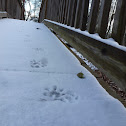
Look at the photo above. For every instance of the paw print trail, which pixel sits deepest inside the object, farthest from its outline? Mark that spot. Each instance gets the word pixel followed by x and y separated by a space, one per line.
pixel 38 64
pixel 58 94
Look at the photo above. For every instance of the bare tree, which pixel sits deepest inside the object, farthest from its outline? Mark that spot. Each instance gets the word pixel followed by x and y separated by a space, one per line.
pixel 34 6
pixel 37 4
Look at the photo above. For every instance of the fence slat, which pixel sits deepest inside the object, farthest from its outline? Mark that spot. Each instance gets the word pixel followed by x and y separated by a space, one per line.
pixel 119 21
pixel 84 15
pixel 14 8
pixel 78 14
pixel 6 5
pixel 73 13
pixel 52 9
pixel 69 12
pixel 92 20
pixel 65 6
pixel 57 3
pixel 103 17
pixel 64 9
pixel 43 10
pixel 48 10
pixel 45 15
pixel 2 7
pixel 60 7
pixel 112 62
pixel 66 13
pixel 61 18
pixel 124 39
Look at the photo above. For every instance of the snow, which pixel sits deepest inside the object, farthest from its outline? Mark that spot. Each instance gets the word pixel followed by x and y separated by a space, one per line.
pixel 109 41
pixel 80 55
pixel 3 12
pixel 39 84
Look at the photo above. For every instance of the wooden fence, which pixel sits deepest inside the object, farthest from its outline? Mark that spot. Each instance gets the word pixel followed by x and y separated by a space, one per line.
pixel 105 17
pixel 14 8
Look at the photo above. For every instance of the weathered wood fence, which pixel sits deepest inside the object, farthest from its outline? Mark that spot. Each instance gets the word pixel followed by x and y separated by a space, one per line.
pixel 14 8
pixel 105 17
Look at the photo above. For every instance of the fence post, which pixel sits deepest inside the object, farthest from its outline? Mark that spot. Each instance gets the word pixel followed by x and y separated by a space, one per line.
pixel 103 17
pixel 84 16
pixel 78 14
pixel 92 20
pixel 119 22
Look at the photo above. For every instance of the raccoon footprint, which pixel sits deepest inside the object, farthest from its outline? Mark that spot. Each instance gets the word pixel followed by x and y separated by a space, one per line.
pixel 58 94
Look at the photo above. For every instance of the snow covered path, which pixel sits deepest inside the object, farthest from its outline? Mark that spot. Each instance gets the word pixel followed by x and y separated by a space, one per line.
pixel 39 84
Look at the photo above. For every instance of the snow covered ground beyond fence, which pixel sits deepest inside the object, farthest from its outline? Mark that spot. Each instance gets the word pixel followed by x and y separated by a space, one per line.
pixel 39 84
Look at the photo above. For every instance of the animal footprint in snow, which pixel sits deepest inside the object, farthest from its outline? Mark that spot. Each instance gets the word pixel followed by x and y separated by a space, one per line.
pixel 38 49
pixel 35 64
pixel 41 63
pixel 27 40
pixel 27 35
pixel 58 94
